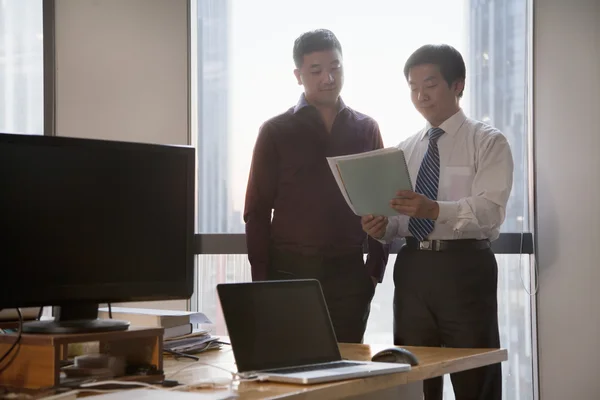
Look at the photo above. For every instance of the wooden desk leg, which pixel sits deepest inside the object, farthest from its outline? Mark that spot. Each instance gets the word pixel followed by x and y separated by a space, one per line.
pixel 32 366
pixel 410 391
pixel 64 351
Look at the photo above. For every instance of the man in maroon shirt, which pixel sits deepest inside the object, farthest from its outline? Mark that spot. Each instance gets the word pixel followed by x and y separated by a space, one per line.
pixel 298 225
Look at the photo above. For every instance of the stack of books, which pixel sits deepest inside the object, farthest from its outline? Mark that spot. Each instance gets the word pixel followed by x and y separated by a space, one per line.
pixel 175 323
pixel 180 338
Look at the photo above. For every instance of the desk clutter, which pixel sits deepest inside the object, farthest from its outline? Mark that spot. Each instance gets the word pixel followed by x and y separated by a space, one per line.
pixel 180 338
pixel 40 361
pixel 190 344
pixel 95 365
pixel 175 323
pixel 146 394
pixel 68 360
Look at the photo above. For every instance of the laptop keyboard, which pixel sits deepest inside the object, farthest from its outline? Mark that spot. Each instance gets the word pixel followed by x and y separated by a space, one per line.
pixel 317 367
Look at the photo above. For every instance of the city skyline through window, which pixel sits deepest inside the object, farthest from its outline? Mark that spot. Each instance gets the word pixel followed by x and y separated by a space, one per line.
pixel 245 76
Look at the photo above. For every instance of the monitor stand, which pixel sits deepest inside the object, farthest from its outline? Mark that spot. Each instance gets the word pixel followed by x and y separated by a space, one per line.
pixel 75 318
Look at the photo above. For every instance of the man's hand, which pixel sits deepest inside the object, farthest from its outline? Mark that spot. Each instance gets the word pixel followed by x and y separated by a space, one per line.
pixel 374 226
pixel 415 205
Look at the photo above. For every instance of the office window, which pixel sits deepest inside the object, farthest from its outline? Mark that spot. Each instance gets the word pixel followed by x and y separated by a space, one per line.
pixel 21 67
pixel 245 76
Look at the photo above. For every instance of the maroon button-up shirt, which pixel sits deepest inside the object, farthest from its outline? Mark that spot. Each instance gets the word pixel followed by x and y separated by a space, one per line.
pixel 293 202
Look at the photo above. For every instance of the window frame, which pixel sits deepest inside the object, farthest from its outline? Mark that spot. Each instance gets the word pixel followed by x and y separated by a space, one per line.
pixel 49 65
pixel 235 243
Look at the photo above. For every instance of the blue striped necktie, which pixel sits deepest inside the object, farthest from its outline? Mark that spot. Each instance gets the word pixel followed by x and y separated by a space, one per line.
pixel 427 183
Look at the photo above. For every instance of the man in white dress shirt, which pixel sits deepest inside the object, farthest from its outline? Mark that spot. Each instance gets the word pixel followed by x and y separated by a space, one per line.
pixel 445 275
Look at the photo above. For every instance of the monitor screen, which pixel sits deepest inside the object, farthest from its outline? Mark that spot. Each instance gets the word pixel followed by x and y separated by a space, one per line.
pixel 94 221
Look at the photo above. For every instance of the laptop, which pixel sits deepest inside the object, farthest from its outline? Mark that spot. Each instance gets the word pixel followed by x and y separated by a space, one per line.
pixel 281 331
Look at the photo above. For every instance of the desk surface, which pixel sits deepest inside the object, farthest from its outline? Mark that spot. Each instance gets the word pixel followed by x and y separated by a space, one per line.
pixel 433 362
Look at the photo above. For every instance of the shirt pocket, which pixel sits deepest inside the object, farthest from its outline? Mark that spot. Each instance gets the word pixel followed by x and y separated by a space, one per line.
pixel 457 182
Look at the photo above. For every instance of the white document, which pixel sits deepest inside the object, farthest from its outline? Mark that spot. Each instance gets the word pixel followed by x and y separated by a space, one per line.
pixel 368 181
pixel 160 394
pixel 336 174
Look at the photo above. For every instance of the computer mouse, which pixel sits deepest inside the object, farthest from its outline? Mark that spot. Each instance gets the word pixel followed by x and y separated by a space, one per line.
pixel 396 355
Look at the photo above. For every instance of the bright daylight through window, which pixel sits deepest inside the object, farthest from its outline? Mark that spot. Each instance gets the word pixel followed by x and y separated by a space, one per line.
pixel 245 76
pixel 21 67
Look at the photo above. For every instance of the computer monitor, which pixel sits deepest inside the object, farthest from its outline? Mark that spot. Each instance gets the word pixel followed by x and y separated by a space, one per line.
pixel 84 222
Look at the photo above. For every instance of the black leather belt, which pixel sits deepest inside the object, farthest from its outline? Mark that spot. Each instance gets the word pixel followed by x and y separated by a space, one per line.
pixel 448 245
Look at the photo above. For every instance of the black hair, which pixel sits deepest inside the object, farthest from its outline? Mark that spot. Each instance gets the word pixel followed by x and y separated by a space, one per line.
pixel 316 40
pixel 450 61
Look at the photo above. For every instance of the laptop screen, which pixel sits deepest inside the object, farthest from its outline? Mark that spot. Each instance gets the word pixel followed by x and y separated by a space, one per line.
pixel 276 324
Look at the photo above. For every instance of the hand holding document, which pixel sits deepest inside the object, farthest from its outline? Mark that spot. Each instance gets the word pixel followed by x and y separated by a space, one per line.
pixel 374 226
pixel 369 181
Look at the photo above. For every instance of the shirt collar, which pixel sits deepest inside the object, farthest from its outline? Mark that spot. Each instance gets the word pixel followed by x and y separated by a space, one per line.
pixel 302 103
pixel 449 126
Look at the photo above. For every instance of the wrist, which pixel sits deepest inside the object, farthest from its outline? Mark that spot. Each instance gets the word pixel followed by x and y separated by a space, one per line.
pixel 434 210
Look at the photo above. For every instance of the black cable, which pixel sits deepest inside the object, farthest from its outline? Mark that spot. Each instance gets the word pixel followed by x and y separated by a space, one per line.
pixel 178 354
pixel 15 343
pixel 109 311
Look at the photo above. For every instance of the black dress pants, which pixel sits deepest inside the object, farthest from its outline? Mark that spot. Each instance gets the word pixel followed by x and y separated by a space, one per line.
pixel 449 298
pixel 347 287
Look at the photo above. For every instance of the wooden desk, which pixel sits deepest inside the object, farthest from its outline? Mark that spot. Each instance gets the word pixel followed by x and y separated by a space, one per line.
pixel 406 385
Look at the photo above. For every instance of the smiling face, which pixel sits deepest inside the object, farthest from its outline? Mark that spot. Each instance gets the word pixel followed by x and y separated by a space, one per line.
pixel 322 76
pixel 432 95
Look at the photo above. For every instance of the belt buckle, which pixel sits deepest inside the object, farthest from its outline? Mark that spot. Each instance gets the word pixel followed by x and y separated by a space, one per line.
pixel 426 245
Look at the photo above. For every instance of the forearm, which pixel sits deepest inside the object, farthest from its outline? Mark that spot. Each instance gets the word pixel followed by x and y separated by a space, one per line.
pixel 391 231
pixel 471 214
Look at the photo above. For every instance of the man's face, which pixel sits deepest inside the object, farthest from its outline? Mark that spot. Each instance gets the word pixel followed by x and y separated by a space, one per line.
pixel 431 95
pixel 322 76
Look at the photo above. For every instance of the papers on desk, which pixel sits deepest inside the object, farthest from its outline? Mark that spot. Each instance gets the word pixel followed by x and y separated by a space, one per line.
pixel 194 343
pixel 161 394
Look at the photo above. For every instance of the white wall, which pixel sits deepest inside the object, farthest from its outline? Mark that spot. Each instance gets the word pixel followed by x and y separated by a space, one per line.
pixel 122 73
pixel 567 153
pixel 122 70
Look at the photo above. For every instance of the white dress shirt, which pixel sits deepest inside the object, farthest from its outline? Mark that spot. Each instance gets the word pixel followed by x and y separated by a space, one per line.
pixel 476 175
